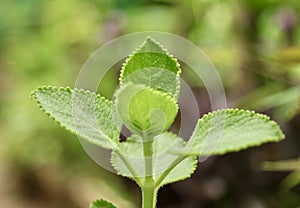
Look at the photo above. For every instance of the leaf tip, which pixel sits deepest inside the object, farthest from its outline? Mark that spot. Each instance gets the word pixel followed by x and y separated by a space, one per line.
pixel 101 204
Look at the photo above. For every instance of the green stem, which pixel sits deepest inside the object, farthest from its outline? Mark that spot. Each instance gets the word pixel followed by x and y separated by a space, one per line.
pixel 148 153
pixel 148 188
pixel 149 196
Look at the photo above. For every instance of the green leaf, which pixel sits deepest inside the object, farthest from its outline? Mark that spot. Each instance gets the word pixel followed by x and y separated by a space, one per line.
pixel 232 130
pixel 285 102
pixel 151 65
pixel 102 204
pixel 163 159
pixel 84 113
pixel 145 110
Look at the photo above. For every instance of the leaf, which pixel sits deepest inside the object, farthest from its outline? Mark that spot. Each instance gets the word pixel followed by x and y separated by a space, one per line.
pixel 102 204
pixel 289 55
pixel 151 65
pixel 162 159
pixel 145 110
pixel 253 99
pixel 232 130
pixel 285 102
pixel 81 112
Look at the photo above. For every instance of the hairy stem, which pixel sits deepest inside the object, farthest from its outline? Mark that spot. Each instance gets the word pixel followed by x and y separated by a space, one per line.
pixel 148 189
pixel 149 196
pixel 148 152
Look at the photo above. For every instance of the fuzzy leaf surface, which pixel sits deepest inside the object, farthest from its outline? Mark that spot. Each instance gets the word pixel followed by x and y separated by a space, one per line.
pixel 84 113
pixel 145 110
pixel 151 65
pixel 162 158
pixel 232 130
pixel 102 204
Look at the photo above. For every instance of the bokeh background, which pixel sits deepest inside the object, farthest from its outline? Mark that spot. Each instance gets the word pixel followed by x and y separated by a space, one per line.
pixel 253 44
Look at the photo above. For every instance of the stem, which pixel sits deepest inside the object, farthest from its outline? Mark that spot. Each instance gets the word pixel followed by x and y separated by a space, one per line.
pixel 148 189
pixel 148 152
pixel 149 196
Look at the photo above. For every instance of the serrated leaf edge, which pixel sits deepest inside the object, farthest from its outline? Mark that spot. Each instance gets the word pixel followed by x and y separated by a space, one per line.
pixel 137 51
pixel 101 201
pixel 195 162
pixel 118 172
pixel 165 95
pixel 171 134
pixel 68 89
pixel 181 140
pixel 237 111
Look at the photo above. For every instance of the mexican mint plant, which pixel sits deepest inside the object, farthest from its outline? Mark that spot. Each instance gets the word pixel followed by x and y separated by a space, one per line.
pixel 146 103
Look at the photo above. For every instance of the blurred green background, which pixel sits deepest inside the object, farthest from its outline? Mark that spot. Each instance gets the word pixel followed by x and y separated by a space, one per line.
pixel 253 44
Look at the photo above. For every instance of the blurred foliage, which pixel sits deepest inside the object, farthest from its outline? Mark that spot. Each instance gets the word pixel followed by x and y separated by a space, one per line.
pixel 290 181
pixel 293 165
pixel 255 46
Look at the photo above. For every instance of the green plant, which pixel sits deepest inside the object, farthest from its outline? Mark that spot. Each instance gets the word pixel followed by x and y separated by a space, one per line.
pixel 146 103
pixel 291 165
pixel 286 195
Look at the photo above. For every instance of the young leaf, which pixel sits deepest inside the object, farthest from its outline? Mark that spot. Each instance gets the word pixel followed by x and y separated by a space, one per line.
pixel 84 113
pixel 151 65
pixel 102 204
pixel 163 161
pixel 145 110
pixel 231 130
